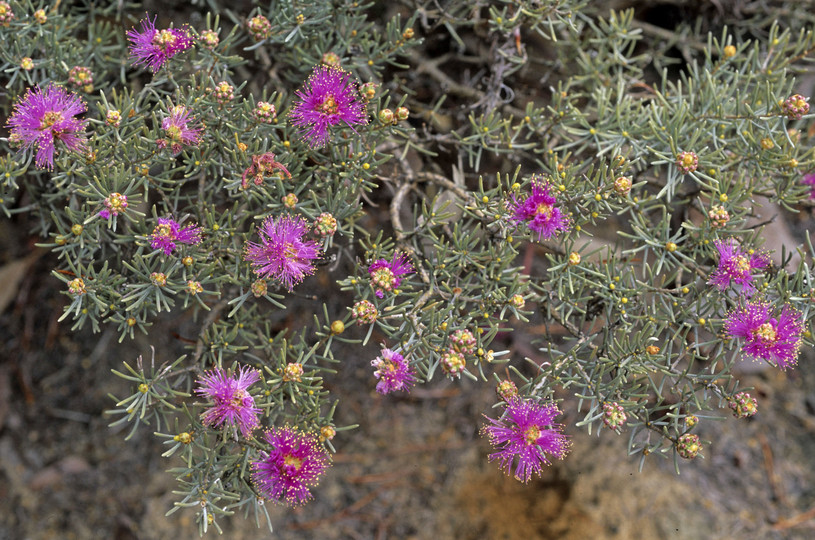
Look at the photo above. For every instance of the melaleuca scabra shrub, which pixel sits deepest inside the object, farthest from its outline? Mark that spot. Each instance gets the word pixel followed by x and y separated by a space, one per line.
pixel 225 166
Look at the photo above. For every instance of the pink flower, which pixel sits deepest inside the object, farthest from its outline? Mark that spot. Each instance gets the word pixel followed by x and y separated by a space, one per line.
pixel 387 276
pixel 294 463
pixel 168 232
pixel 231 402
pixel 282 253
pixel 809 180
pixel 41 118
pixel 527 432
pixel 328 98
pixel 736 266
pixel 393 371
pixel 540 213
pixel 774 339
pixel 153 47
pixel 180 130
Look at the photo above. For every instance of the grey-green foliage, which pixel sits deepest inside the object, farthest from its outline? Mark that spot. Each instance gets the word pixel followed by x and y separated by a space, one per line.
pixel 445 184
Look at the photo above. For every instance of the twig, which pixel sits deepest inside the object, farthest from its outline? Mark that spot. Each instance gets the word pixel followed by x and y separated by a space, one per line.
pixel 795 520
pixel 431 67
pixel 211 317
pixel 769 465
pixel 396 204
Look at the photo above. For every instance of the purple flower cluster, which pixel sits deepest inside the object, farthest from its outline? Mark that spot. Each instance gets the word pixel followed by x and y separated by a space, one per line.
pixel 809 180
pixel 294 463
pixel 232 404
pixel 526 431
pixel 774 339
pixel 180 129
pixel 387 275
pixel 736 266
pixel 282 253
pixel 153 47
pixel 328 98
pixel 43 117
pixel 539 212
pixel 168 232
pixel 393 371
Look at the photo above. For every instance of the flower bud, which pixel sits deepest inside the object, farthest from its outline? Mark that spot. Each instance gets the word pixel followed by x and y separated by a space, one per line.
pixel 453 362
pixel 622 185
pixel 77 287
pixel 614 416
pixel 743 405
pixel 463 341
pixel 194 287
pixel 687 162
pixel 330 59
pixel 260 27
pixel 325 224
pixel 386 116
pixel 337 327
pixel 293 372
pixel 368 90
pixel 364 312
pixel 795 106
pixel 688 446
pixel 259 288
pixel 210 39
pixel 264 112
pixel 289 200
pixel 506 389
pixel 224 92
pixel 113 118
pixel 81 77
pixel 6 14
